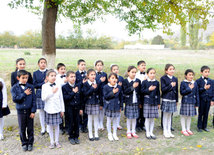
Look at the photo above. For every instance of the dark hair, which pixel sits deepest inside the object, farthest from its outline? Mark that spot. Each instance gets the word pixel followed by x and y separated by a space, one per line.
pixel 114 65
pixel 17 61
pixel 80 60
pixel 98 61
pixel 112 74
pixel 41 60
pixel 69 73
pixel 1 86
pixel 168 65
pixel 130 68
pixel 141 62
pixel 148 70
pixel 89 71
pixel 21 73
pixel 203 68
pixel 50 71
pixel 59 65
pixel 189 71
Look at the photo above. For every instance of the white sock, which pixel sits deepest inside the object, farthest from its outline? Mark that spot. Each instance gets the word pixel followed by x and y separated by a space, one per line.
pixel 133 125
pixel 169 116
pixel 128 122
pixel 108 125
pixel 96 122
pixel 101 117
pixel 42 119
pixel 90 119
pixel 183 119
pixel 165 122
pixel 1 126
pixel 56 127
pixel 50 127
pixel 114 126
pixel 188 122
pixel 118 120
pixel 147 122
pixel 152 124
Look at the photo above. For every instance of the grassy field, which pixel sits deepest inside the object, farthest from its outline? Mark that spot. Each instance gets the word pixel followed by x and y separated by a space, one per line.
pixel 196 144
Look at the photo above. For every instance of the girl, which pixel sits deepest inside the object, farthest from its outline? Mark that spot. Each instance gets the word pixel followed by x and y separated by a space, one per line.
pixel 115 69
pixel 102 77
pixel 54 106
pixel 131 91
pixel 91 92
pixel 39 78
pixel 151 93
pixel 113 102
pixel 20 65
pixel 189 102
pixel 169 88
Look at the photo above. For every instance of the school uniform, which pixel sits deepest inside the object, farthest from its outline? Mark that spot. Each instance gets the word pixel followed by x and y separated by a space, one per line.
pixel 14 78
pixel 206 96
pixel 25 105
pixel 131 98
pixel 4 110
pixel 190 98
pixel 60 79
pixel 151 98
pixel 73 106
pixel 102 84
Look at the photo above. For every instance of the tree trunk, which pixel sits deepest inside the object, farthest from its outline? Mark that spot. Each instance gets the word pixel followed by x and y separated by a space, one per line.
pixel 48 32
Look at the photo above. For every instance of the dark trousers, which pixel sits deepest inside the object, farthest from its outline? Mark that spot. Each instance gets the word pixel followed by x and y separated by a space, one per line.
pixel 66 118
pixel 26 123
pixel 73 123
pixel 203 112
pixel 140 119
pixel 162 119
pixel 83 120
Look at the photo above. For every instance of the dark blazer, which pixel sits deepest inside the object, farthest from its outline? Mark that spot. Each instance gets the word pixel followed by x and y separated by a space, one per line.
pixel 14 78
pixel 112 101
pixel 38 81
pixel 169 92
pixel 205 95
pixel 128 90
pixel 120 79
pixel 23 101
pixel 102 84
pixel 150 97
pixel 189 96
pixel 80 77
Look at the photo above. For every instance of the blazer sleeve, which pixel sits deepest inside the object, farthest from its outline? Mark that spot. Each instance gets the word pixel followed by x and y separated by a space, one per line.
pixel 158 93
pixel 197 96
pixel 13 80
pixel 17 97
pixel 33 109
pixel 67 96
pixel 36 84
pixel 107 94
pixel 87 91
pixel 30 79
pixel 126 88
pixel 46 94
pixel 4 93
pixel 201 89
pixel 185 90
pixel 61 100
pixel 144 90
pixel 176 89
pixel 164 87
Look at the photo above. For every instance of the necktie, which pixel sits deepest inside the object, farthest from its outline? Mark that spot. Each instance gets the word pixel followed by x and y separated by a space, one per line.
pixel 142 73
pixel 62 76
pixel 99 73
pixel 22 84
pixel 53 84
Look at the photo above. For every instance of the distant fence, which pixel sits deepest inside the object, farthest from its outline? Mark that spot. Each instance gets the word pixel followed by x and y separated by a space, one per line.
pixel 146 47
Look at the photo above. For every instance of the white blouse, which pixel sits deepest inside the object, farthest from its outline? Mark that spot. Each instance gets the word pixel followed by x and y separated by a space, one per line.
pixel 4 93
pixel 60 80
pixel 141 77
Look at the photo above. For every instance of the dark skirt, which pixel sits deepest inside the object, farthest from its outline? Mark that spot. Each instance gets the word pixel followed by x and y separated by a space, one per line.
pixel 188 110
pixel 150 111
pixel 92 109
pixel 53 119
pixel 40 104
pixel 110 113
pixel 168 106
pixel 132 111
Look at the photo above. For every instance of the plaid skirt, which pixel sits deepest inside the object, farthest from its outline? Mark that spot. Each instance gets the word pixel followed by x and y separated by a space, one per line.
pixel 92 109
pixel 39 103
pixel 132 111
pixel 150 111
pixel 188 110
pixel 53 119
pixel 168 106
pixel 110 113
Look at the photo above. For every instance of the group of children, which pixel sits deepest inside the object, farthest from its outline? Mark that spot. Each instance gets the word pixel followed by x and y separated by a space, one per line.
pixel 69 102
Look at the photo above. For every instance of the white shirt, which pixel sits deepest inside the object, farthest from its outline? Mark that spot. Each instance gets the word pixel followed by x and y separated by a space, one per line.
pixel 60 80
pixel 54 102
pixel 170 76
pixel 134 92
pixel 192 82
pixel 4 93
pixel 151 80
pixel 205 80
pixel 115 86
pixel 90 83
pixel 141 77
pixel 42 70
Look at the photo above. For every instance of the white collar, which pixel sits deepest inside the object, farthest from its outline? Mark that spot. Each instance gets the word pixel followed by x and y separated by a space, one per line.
pixel 189 81
pixel 129 79
pixel 203 77
pixel 72 85
pixel 148 79
pixel 42 70
pixel 90 83
pixel 115 86
pixel 169 76
pixel 100 71
pixel 81 71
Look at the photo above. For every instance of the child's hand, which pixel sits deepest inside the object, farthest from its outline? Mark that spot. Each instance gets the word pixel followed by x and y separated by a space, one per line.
pixel 103 79
pixel 28 91
pixel 84 80
pixel 120 83
pixel 81 112
pixel 101 108
pixel 151 88
pixel 135 84
pixel 75 89
pixel 94 86
pixel 159 106
pixel 32 115
pixel 191 86
pixel 115 90
pixel 140 106
pixel 206 86
pixel 55 89
pixel 173 84
pixel 62 114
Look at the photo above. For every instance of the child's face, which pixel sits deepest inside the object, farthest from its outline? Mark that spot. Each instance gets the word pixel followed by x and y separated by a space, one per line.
pixel 82 66
pixel 42 64
pixel 132 73
pixel 71 78
pixel 21 65
pixel 99 67
pixel 115 70
pixel 51 77
pixel 23 79
pixel 205 73
pixel 151 74
pixel 62 70
pixel 142 67
pixel 189 76
pixel 112 80
pixel 92 76
pixel 170 71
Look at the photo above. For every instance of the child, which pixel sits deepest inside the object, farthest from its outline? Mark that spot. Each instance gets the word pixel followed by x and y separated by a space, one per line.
pixel 113 102
pixel 54 106
pixel 189 102
pixel 206 94
pixel 91 92
pixel 131 91
pixel 24 97
pixel 115 69
pixel 141 75
pixel 38 80
pixel 71 97
pixel 102 77
pixel 80 79
pixel 169 88
pixel 150 91
pixel 20 65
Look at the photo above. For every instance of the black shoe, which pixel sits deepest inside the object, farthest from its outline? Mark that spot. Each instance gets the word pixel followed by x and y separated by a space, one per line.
pixel 199 130
pixel 76 140
pixel 143 128
pixel 85 130
pixel 91 139
pixel 148 137
pixel 138 129
pixel 205 129
pixel 72 141
pixel 96 138
pixel 153 137
pixel 82 130
pixel 172 129
pixel 24 148
pixel 30 147
pixel 62 131
pixel 43 133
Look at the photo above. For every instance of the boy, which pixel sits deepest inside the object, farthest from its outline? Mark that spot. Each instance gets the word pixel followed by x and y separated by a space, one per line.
pixel 71 97
pixel 24 97
pixel 80 79
pixel 141 75
pixel 206 95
